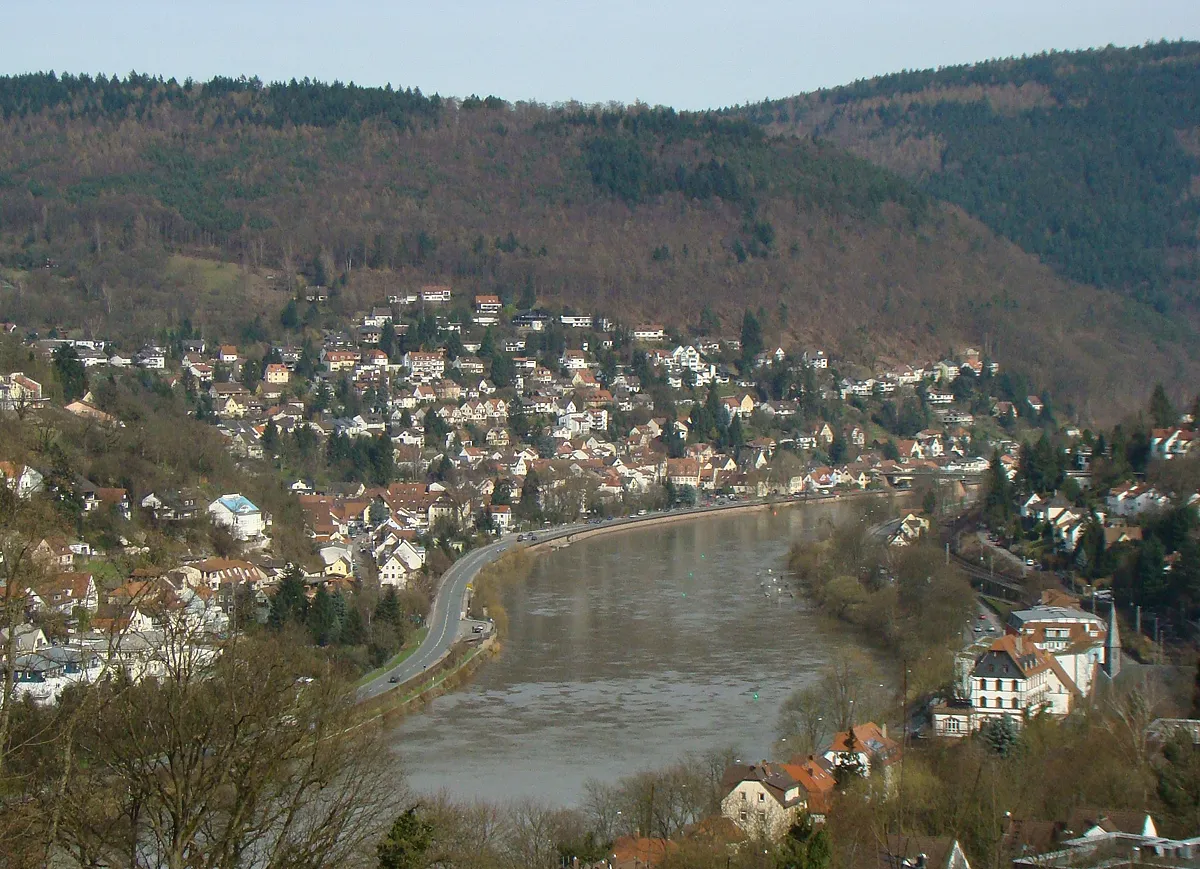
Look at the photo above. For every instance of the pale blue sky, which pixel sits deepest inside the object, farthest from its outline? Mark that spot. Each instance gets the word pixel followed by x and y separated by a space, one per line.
pixel 692 55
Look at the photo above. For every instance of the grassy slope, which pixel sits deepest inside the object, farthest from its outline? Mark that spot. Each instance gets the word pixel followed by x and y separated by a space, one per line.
pixel 849 267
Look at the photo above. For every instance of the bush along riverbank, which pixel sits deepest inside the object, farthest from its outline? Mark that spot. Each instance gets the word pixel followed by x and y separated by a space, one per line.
pixel 487 587
pixel 905 599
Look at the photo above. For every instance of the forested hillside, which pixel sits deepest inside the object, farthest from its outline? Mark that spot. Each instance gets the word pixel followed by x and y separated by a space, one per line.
pixel 1089 159
pixel 121 199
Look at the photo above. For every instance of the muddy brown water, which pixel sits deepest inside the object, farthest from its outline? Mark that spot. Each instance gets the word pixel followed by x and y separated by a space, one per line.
pixel 627 651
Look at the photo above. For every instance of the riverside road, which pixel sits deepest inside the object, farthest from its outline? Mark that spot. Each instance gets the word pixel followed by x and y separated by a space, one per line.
pixel 445 617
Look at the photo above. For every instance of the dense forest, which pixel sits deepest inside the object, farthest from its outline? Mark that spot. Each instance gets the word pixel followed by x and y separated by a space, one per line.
pixel 129 206
pixel 1089 159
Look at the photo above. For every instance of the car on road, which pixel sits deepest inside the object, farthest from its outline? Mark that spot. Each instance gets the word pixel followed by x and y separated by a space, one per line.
pixel 982 616
pixel 393 679
pixel 978 629
pixel 1029 562
pixel 520 537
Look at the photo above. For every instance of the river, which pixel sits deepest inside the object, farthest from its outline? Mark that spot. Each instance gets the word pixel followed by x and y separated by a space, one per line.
pixel 625 652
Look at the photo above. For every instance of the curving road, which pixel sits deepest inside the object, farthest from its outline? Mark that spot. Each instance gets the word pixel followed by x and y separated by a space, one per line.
pixel 445 615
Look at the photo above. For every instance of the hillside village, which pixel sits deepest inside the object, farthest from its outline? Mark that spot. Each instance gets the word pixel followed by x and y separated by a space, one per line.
pixel 426 422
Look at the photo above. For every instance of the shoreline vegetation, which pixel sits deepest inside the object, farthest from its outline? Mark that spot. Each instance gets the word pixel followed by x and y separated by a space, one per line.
pixel 906 601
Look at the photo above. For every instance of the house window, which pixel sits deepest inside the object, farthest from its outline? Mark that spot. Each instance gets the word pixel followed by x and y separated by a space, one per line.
pixel 1016 685
pixel 743 815
pixel 762 798
pixel 1014 703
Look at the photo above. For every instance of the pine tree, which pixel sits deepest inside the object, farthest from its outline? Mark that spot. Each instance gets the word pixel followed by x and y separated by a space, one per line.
pixel 270 436
pixel 290 604
pixel 322 618
pixel 354 629
pixel 388 609
pixel 289 318
pixel 71 374
pixel 752 339
pixel 1162 411
pixel 1001 735
pixel 804 847
pixel 997 498
pixel 406 843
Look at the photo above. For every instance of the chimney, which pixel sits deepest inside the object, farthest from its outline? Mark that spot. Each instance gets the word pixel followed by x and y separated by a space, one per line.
pixel 883 729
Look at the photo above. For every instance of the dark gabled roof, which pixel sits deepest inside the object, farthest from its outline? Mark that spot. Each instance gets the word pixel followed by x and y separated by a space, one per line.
pixel 771 776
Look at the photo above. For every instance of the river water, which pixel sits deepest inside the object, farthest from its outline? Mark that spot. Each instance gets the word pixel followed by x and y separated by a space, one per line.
pixel 625 652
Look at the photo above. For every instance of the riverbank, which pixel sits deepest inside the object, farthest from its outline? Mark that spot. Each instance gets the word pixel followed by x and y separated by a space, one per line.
pixel 463 582
pixel 623 651
pixel 453 671
pixel 911 602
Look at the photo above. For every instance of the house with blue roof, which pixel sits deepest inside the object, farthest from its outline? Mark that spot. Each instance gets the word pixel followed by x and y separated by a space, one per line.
pixel 237 513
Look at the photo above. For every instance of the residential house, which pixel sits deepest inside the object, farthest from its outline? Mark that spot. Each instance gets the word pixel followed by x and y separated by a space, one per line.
pixel 66 593
pixel 488 304
pixel 18 392
pixel 502 518
pixel 683 472
pixel 1077 640
pixel 237 513
pixel 649 332
pixel 1134 499
pixel 425 366
pixel 1011 677
pixel 339 360
pixel 435 295
pixel 866 748
pixel 276 374
pixel 21 479
pixel 404 559
pixel 88 411
pixel 1172 443
pixel 910 529
pixel 763 799
pixel 218 572
pixel 909 852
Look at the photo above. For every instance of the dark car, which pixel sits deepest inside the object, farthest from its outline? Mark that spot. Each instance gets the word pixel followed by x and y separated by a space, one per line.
pixel 394 679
